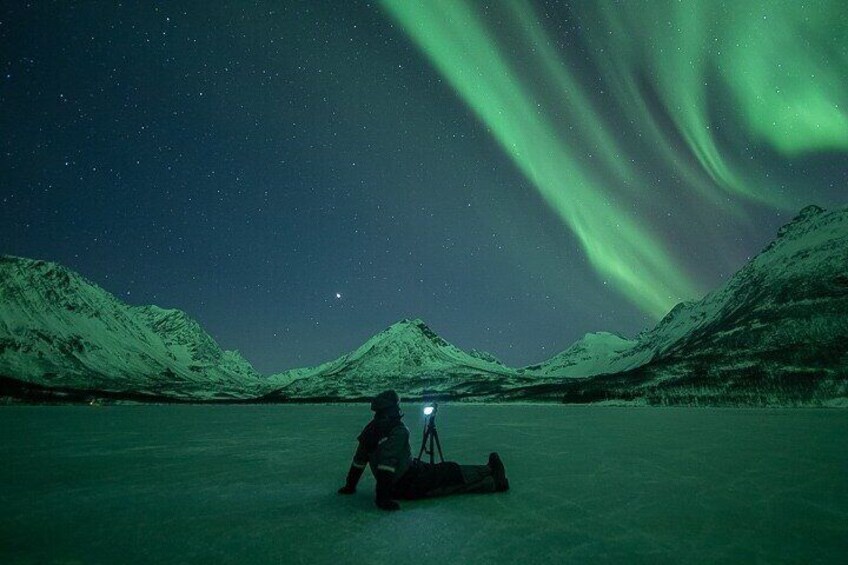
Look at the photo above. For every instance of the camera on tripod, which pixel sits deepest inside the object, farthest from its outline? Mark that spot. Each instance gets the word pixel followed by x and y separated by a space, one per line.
pixel 431 436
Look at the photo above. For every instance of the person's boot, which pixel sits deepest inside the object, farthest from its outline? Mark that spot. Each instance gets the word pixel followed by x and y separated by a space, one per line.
pixel 498 472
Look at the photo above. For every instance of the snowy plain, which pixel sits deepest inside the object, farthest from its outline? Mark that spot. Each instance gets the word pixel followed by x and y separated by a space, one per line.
pixel 257 484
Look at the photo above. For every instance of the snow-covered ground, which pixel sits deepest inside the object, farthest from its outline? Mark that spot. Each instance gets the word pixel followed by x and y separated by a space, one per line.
pixel 254 484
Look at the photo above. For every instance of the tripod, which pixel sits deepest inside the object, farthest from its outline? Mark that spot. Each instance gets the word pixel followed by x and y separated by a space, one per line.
pixel 432 435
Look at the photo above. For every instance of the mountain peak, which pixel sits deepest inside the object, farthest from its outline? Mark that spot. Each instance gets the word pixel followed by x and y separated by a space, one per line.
pixel 804 217
pixel 409 322
pixel 39 265
pixel 35 268
pixel 413 329
pixel 809 211
pixel 596 337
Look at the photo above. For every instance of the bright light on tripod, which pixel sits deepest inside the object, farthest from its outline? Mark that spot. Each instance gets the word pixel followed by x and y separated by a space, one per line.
pixel 428 410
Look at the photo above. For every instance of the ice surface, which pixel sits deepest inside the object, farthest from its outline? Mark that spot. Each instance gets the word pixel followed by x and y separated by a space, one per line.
pixel 254 484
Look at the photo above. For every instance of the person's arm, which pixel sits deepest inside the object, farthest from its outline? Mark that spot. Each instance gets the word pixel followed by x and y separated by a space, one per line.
pixel 388 457
pixel 360 460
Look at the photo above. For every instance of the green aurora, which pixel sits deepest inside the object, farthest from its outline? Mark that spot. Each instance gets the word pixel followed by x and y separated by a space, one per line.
pixel 776 68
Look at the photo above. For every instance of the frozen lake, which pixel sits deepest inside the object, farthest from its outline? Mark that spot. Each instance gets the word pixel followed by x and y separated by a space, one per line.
pixel 252 484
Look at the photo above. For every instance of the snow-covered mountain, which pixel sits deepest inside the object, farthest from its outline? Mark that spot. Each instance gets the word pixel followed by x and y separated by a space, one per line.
pixel 62 332
pixel 409 357
pixel 594 354
pixel 776 332
pixel 63 335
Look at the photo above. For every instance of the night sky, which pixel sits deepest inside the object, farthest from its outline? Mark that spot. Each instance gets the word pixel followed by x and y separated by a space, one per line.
pixel 299 175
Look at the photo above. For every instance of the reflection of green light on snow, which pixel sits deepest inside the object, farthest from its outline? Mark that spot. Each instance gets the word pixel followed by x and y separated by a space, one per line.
pixel 680 46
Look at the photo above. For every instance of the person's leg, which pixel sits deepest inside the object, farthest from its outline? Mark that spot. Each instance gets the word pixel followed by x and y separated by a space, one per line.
pixel 475 479
pixel 478 478
pixel 449 478
pixel 424 480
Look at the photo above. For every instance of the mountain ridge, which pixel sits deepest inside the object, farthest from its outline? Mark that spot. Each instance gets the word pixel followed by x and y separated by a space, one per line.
pixel 60 331
pixel 775 332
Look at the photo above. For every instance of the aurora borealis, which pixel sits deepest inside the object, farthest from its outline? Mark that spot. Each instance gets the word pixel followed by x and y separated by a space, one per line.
pixel 516 173
pixel 678 57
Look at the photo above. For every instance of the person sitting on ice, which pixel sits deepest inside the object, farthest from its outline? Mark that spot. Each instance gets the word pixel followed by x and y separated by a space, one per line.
pixel 384 445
